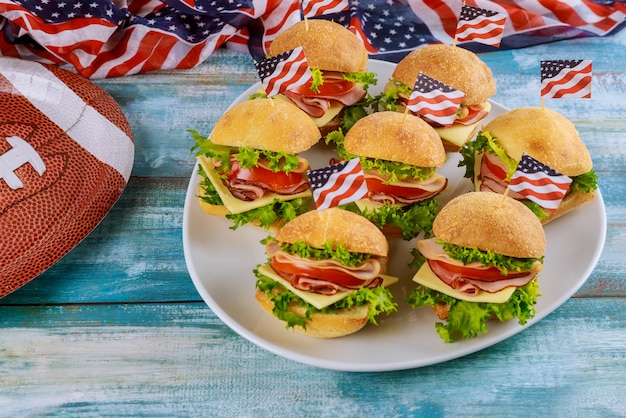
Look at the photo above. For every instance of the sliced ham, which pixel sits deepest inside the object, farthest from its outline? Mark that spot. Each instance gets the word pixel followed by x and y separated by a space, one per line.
pixel 491 181
pixel 436 255
pixel 433 185
pixel 329 288
pixel 366 275
pixel 317 104
pixel 473 286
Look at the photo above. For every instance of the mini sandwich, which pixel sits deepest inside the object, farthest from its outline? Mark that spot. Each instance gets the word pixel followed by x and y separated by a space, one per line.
pixel 325 274
pixel 458 68
pixel 481 264
pixel 400 154
pixel 338 61
pixel 250 166
pixel 544 135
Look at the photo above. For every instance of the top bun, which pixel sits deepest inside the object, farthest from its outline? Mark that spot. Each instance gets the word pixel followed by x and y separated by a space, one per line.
pixel 491 222
pixel 543 134
pixel 394 136
pixel 338 226
pixel 452 65
pixel 266 124
pixel 327 45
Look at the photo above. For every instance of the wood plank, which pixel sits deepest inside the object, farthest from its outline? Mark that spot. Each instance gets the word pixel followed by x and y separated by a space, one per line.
pixel 179 359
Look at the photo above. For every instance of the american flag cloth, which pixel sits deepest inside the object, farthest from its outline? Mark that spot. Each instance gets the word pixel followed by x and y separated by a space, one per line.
pixel 434 100
pixel 110 38
pixel 338 184
pixel 566 78
pixel 313 8
pixel 480 25
pixel 539 183
pixel 284 71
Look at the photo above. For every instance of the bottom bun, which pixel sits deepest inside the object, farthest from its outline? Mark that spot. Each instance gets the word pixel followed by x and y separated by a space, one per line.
pixel 573 200
pixel 322 325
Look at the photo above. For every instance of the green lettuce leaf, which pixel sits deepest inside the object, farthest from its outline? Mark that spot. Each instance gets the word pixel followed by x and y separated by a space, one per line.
pixel 379 298
pixel 247 157
pixel 330 251
pixel 586 182
pixel 276 211
pixel 469 319
pixel 412 219
pixel 488 258
pixel 483 143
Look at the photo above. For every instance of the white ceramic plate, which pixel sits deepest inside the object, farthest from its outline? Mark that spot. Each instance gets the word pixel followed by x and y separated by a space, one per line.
pixel 220 262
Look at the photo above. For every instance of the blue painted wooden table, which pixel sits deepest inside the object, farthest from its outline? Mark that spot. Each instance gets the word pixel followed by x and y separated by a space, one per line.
pixel 117 327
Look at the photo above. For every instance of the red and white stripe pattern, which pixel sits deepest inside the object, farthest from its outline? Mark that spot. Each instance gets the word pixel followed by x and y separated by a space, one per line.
pixel 284 71
pixel 566 78
pixel 313 8
pixel 480 25
pixel 539 183
pixel 338 184
pixel 434 100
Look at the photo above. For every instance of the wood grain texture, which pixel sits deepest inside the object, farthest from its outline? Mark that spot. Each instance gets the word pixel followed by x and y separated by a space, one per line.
pixel 117 328
pixel 173 359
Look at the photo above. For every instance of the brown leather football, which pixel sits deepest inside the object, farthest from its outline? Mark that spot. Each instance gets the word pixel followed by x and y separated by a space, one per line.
pixel 66 153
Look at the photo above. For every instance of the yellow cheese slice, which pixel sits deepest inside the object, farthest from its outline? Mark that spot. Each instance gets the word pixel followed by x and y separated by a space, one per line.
pixel 235 205
pixel 459 134
pixel 315 299
pixel 426 277
pixel 363 204
pixel 478 162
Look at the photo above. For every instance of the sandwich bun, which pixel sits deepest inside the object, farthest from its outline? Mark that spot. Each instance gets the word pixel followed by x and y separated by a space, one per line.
pixel 266 124
pixel 341 227
pixel 545 135
pixel 491 222
pixel 550 138
pixel 322 325
pixel 338 226
pixel 452 65
pixel 327 45
pixel 396 137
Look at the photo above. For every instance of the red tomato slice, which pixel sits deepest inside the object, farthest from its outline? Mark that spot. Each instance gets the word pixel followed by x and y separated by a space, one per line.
pixel 376 185
pixel 334 276
pixel 274 180
pixel 490 274
pixel 330 87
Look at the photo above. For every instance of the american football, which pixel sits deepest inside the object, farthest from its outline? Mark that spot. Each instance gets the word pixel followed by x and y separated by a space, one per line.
pixel 66 154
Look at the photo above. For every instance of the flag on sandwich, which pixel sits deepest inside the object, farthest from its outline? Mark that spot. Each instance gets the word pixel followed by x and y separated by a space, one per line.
pixel 480 25
pixel 539 183
pixel 338 184
pixel 313 8
pixel 284 71
pixel 566 78
pixel 434 100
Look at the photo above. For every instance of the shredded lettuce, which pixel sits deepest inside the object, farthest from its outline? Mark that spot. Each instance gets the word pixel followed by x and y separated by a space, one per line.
pixel 469 319
pixel 379 298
